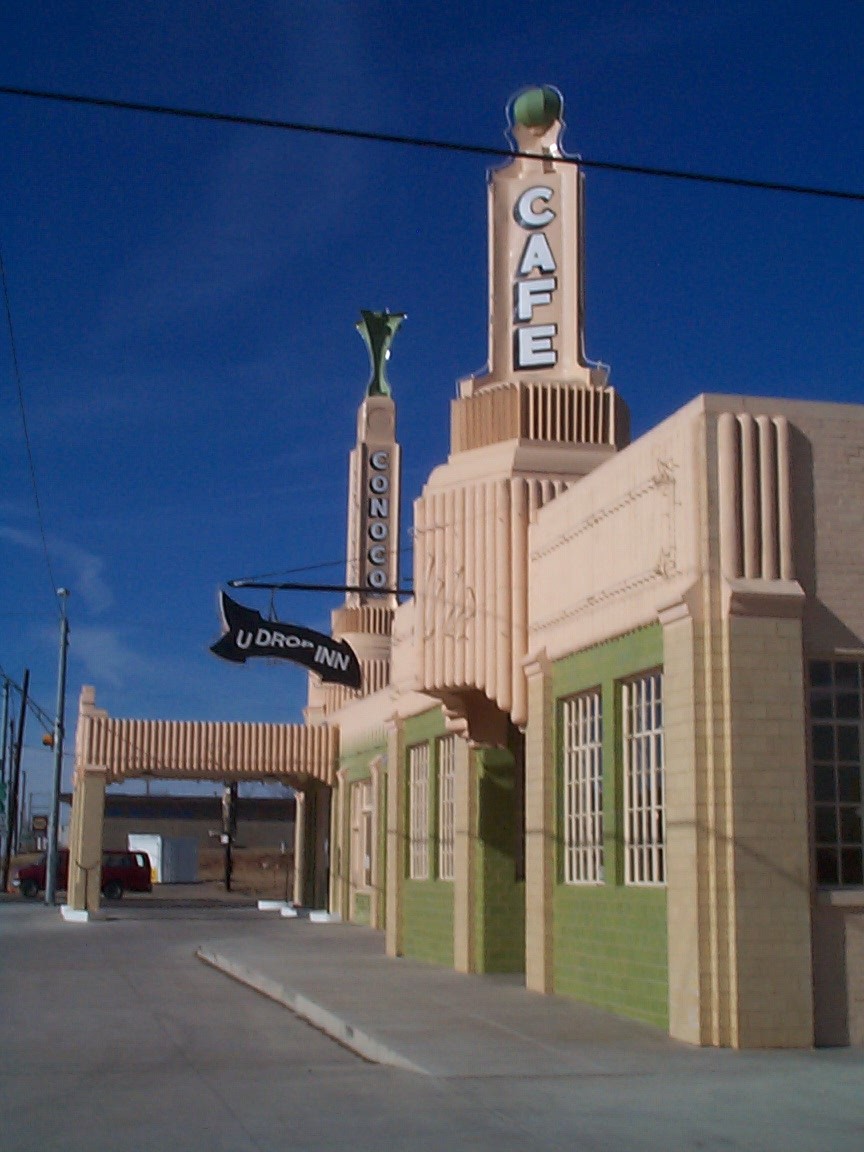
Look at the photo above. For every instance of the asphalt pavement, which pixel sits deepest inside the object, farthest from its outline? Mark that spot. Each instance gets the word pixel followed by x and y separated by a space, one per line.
pixel 115 1034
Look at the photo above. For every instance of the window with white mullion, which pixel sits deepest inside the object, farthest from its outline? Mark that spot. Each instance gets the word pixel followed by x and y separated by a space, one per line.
pixel 837 767
pixel 644 799
pixel 446 806
pixel 418 832
pixel 583 789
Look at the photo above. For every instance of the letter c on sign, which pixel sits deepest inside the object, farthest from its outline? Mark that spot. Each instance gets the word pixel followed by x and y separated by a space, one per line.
pixel 525 213
pixel 377 554
pixel 379 461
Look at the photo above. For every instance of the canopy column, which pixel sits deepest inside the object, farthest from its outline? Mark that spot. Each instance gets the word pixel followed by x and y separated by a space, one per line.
pixel 85 839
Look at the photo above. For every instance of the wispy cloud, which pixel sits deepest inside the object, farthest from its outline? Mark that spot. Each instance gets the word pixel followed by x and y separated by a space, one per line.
pixel 86 571
pixel 107 658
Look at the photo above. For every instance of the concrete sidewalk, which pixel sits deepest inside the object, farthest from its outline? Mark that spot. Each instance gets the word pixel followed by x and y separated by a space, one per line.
pixel 432 1020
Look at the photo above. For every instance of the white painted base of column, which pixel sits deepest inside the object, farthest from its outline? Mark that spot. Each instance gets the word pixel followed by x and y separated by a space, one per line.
pixel 289 912
pixel 325 917
pixel 74 915
pixel 273 905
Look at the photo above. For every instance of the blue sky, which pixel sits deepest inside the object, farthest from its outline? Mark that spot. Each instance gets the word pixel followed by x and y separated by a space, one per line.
pixel 184 295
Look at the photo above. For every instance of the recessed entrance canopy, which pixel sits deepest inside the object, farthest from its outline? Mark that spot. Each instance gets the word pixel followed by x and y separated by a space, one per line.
pixel 110 750
pixel 200 750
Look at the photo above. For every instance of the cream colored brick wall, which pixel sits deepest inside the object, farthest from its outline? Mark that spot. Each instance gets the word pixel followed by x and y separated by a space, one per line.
pixel 682 830
pixel 838 970
pixel 85 838
pixel 827 460
pixel 610 552
pixel 770 833
pixel 299 853
pixel 540 780
pixel 396 840
pixel 855 974
pixel 464 857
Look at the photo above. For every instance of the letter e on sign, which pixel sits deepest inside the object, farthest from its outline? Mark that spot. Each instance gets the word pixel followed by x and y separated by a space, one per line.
pixel 534 346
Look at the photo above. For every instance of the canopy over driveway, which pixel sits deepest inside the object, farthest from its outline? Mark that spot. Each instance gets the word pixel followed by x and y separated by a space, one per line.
pixel 109 750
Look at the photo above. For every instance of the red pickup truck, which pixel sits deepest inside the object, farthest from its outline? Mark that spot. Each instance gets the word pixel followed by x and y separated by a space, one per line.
pixel 121 872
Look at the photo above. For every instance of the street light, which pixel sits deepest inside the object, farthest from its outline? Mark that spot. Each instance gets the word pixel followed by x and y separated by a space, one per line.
pixel 53 823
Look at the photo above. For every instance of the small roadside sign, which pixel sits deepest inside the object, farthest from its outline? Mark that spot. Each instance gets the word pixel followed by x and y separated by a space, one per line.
pixel 39 824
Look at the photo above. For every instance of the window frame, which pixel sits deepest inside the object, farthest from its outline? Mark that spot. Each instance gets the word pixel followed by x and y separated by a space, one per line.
pixel 582 788
pixel 362 834
pixel 445 759
pixel 418 811
pixel 835 713
pixel 644 764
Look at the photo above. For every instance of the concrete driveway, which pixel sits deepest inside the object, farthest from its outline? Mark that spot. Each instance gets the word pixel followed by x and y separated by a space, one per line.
pixel 113 1035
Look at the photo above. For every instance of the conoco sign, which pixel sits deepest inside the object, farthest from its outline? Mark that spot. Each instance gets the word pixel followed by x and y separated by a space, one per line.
pixel 378 519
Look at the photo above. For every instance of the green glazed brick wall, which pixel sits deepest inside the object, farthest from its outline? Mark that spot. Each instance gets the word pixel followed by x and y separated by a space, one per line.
pixel 499 916
pixel 362 908
pixel 609 940
pixel 427 726
pixel 356 762
pixel 427 906
pixel 610 949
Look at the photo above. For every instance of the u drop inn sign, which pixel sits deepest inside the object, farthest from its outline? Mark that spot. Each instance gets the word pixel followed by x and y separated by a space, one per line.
pixel 248 634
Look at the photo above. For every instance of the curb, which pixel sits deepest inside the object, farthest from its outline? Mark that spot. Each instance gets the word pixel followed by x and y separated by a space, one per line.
pixel 74 915
pixel 327 1022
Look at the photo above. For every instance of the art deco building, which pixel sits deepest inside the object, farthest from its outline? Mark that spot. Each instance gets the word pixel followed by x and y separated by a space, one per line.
pixel 613 741
pixel 621 750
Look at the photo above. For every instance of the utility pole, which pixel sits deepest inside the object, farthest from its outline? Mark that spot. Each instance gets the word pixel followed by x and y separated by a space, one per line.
pixel 4 808
pixel 229 827
pixel 21 823
pixel 3 736
pixel 15 776
pixel 59 731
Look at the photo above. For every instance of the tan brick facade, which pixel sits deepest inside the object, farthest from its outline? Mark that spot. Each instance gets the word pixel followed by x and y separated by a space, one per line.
pixel 539 827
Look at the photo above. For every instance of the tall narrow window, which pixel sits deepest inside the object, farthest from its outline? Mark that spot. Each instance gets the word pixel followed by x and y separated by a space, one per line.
pixel 356 835
pixel 418 801
pixel 361 834
pixel 446 806
pixel 836 741
pixel 644 792
pixel 583 789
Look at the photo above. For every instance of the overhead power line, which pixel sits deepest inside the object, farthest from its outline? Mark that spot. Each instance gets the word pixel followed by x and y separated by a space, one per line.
pixel 40 713
pixel 17 374
pixel 293 586
pixel 423 142
pixel 341 563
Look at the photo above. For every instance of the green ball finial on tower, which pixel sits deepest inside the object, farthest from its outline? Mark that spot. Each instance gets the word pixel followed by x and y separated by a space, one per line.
pixel 538 108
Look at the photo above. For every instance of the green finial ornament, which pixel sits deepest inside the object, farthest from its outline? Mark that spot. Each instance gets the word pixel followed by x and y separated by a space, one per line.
pixel 378 330
pixel 538 108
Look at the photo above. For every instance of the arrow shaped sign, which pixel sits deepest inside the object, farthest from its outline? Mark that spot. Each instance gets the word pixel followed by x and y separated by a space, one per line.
pixel 248 634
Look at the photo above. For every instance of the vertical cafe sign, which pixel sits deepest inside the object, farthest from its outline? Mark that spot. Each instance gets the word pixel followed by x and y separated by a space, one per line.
pixel 534 284
pixel 536 280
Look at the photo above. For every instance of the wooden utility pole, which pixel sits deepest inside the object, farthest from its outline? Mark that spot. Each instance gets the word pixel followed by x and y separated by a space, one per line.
pixel 229 827
pixel 12 806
